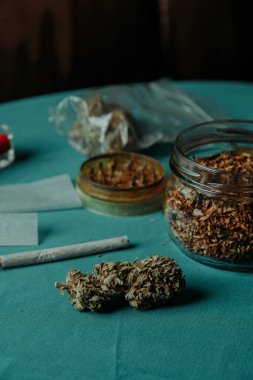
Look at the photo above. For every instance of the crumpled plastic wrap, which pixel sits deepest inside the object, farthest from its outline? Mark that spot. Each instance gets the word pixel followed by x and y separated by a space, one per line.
pixel 126 117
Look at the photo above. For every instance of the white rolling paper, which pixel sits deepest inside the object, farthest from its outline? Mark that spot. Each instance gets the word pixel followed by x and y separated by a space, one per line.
pixel 53 193
pixel 18 229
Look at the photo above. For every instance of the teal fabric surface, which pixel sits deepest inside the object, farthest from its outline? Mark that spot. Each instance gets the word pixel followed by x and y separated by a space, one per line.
pixel 207 333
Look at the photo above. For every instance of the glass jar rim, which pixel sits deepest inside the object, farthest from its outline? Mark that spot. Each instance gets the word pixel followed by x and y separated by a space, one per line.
pixel 210 180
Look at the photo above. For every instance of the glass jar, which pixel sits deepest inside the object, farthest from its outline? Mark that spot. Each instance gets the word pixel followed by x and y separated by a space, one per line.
pixel 7 153
pixel 209 209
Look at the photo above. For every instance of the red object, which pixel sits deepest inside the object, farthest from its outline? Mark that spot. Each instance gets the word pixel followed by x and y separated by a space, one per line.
pixel 4 144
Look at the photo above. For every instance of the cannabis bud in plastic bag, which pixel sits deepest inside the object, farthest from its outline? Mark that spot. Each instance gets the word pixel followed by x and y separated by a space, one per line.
pixel 131 117
pixel 93 127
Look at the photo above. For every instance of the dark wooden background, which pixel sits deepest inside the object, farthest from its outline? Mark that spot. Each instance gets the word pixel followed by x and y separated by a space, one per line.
pixel 52 45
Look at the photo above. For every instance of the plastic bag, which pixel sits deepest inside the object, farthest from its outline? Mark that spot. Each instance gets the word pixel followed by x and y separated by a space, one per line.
pixel 148 113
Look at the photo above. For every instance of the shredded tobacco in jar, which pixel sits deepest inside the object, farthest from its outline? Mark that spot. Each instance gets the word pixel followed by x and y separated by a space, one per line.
pixel 147 284
pixel 231 161
pixel 217 228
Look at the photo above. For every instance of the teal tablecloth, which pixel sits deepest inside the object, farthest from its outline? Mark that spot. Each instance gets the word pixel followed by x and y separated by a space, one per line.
pixel 206 334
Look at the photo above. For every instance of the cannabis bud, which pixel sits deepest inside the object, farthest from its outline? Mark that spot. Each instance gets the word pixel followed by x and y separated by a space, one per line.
pixel 84 291
pixel 152 282
pixel 147 284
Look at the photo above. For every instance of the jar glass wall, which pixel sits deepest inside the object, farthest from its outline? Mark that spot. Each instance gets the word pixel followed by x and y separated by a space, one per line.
pixel 208 200
pixel 7 153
